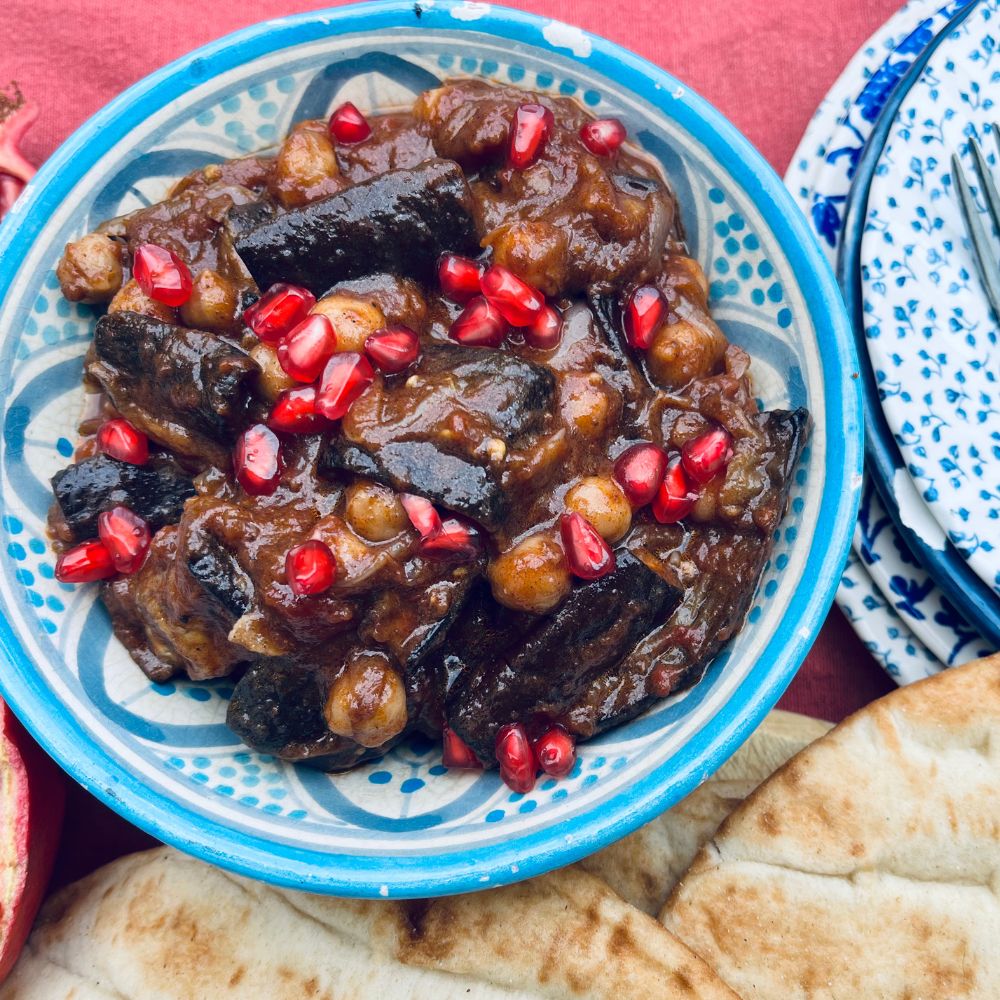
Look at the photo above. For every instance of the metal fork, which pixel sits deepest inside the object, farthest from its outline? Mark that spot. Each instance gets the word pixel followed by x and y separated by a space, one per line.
pixel 982 243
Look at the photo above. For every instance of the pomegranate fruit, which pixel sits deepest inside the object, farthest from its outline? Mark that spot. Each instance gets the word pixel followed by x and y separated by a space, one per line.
pixel 85 563
pixel 604 136
pixel 348 125
pixel 126 536
pixel 516 757
pixel 480 324
pixel 278 310
pixel 393 349
pixel 676 495
pixel 294 412
pixel 707 455
pixel 556 752
pixel 643 316
pixel 307 347
pixel 345 377
pixel 639 471
pixel 588 556
pixel 517 301
pixel 459 277
pixel 257 460
pixel 529 131
pixel 119 439
pixel 161 274
pixel 455 752
pixel 310 568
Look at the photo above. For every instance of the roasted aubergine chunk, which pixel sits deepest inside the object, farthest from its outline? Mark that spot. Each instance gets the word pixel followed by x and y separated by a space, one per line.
pixel 399 222
pixel 155 491
pixel 536 667
pixel 187 389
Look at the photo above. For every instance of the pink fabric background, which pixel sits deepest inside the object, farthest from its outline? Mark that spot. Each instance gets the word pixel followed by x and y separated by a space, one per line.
pixel 765 64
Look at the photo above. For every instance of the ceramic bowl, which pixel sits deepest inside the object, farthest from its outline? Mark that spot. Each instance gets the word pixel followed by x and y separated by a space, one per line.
pixel 161 755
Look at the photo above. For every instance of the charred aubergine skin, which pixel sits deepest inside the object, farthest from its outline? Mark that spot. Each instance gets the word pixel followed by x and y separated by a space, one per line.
pixel 538 667
pixel 187 388
pixel 399 222
pixel 155 491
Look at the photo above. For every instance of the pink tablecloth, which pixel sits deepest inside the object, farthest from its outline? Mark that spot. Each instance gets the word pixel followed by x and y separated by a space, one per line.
pixel 764 63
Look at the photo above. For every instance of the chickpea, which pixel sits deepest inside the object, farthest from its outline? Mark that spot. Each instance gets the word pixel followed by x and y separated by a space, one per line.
pixel 531 576
pixel 601 501
pixel 688 278
pixel 352 317
pixel 91 269
pixel 213 302
pixel 538 252
pixel 367 702
pixel 586 404
pixel 273 379
pixel 683 351
pixel 375 512
pixel 131 298
pixel 306 167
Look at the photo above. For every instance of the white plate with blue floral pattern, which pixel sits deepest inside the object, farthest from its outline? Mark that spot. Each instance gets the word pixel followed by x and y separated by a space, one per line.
pixel 891 602
pixel 931 336
pixel 161 754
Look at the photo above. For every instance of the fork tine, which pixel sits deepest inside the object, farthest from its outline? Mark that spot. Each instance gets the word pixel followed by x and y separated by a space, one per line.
pixel 988 188
pixel 982 249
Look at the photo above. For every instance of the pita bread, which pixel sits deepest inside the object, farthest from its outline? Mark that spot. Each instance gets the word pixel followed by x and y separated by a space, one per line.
pixel 869 866
pixel 644 867
pixel 162 926
pixel 142 927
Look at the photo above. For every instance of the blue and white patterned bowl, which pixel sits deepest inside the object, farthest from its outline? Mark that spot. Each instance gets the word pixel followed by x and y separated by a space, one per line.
pixel 160 754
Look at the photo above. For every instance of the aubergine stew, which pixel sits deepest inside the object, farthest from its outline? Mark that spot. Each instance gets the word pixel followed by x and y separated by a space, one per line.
pixel 420 424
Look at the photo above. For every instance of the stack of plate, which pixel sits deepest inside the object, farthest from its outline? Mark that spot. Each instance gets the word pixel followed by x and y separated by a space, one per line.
pixel 873 175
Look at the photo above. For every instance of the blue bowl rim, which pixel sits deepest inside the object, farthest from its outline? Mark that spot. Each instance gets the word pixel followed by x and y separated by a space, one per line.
pixel 463 871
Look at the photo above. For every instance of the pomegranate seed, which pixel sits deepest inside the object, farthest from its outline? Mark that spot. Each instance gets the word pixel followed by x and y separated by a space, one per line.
pixel 85 563
pixel 279 309
pixel 545 330
pixel 516 757
pixel 604 136
pixel 307 348
pixel 645 312
pixel 529 132
pixel 119 439
pixel 556 752
pixel 348 125
pixel 639 471
pixel 676 496
pixel 459 277
pixel 422 514
pixel 518 302
pixel 161 274
pixel 294 412
pixel 454 539
pixel 310 568
pixel 393 349
pixel 345 377
pixel 479 325
pixel 455 752
pixel 708 455
pixel 587 554
pixel 126 536
pixel 257 460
